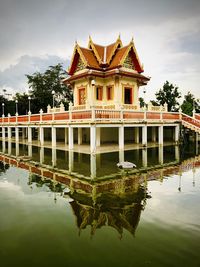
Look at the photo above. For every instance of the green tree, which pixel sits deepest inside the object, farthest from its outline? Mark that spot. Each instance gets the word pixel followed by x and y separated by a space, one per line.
pixel 168 94
pixel 141 101
pixel 43 84
pixel 190 103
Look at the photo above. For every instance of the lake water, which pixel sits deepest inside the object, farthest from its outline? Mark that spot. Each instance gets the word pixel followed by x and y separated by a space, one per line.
pixel 148 219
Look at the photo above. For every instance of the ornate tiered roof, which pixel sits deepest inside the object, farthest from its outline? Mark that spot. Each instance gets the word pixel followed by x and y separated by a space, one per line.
pixel 105 59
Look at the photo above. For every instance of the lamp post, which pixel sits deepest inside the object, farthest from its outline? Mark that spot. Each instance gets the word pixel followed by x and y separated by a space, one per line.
pixel 3 109
pixel 29 105
pixel 16 103
pixel 53 94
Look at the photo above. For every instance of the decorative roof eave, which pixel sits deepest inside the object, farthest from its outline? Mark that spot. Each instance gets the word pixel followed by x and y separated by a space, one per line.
pixel 105 74
pixel 91 44
pixel 77 49
pixel 117 43
pixel 131 45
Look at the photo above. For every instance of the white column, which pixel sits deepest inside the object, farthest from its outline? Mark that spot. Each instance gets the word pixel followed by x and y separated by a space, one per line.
pixel 160 154
pixel 41 155
pixel 144 157
pixel 16 134
pixel 98 137
pixel 144 135
pixel 9 148
pixel 80 136
pixel 71 137
pixel 177 154
pixel 53 136
pixel 3 133
pixel 121 155
pixel 54 156
pixel 93 166
pixel 29 135
pixel 71 161
pixel 41 138
pixel 160 135
pixel 9 133
pixel 137 135
pixel 176 136
pixel 30 150
pixel 66 135
pixel 153 134
pixel 92 138
pixel 17 148
pixel 121 137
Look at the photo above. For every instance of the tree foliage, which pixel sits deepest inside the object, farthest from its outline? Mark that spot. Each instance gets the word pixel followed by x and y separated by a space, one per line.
pixel 189 104
pixel 42 85
pixel 168 94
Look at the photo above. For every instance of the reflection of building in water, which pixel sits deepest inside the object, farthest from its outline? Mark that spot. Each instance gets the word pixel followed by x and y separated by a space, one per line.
pixel 117 211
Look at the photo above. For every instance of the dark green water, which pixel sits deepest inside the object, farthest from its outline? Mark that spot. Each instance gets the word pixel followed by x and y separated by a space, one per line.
pixel 153 223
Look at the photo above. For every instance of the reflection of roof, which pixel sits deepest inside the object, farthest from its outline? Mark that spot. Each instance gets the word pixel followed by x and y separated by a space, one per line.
pixel 105 57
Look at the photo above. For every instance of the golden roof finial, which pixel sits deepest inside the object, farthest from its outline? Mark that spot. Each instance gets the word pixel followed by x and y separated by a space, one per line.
pixel 132 40
pixel 119 36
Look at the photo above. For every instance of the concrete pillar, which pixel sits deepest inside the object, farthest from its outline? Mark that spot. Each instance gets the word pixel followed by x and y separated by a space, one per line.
pixel 121 155
pixel 121 137
pixel 53 136
pixel 17 149
pixel 30 150
pixel 98 137
pixel 144 135
pixel 54 155
pixel 66 135
pixel 160 155
pixel 93 166
pixel 137 135
pixel 176 133
pixel 9 148
pixel 71 161
pixel 29 135
pixel 144 158
pixel 177 153
pixel 16 134
pixel 80 136
pixel 160 135
pixel 41 137
pixel 9 133
pixel 41 155
pixel 3 133
pixel 71 137
pixel 92 138
pixel 153 134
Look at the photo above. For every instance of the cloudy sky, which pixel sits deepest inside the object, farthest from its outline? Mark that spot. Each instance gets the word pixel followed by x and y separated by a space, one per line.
pixel 37 33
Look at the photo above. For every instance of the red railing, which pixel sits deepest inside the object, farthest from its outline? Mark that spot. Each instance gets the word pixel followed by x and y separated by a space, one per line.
pixel 94 114
pixel 191 121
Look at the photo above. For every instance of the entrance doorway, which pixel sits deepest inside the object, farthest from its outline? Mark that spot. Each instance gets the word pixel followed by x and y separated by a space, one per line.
pixel 128 96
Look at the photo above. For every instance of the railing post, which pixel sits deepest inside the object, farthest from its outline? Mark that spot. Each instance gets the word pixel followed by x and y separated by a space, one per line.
pixel 180 114
pixel 29 116
pixel 16 117
pixel 41 113
pixel 121 113
pixel 161 113
pixel 8 117
pixel 145 112
pixel 70 111
pixel 93 113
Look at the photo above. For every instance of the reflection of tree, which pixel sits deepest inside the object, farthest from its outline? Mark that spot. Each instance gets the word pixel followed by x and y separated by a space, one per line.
pixel 54 186
pixel 118 212
pixel 4 167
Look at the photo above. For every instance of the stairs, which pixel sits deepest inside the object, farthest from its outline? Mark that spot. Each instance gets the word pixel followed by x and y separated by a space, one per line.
pixel 191 123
